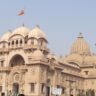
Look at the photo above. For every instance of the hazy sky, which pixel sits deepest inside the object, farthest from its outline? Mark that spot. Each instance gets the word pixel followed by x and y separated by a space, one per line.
pixel 61 20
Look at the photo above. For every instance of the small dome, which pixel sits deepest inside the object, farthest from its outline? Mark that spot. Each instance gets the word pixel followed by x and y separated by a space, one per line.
pixel 37 33
pixel 52 56
pixel 22 31
pixel 80 46
pixel 75 58
pixel 38 55
pixel 5 37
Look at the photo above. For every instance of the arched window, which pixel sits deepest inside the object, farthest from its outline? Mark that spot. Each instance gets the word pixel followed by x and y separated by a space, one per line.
pixel 12 42
pixel 25 41
pixel 17 60
pixel 41 42
pixel 9 43
pixel 16 41
pixel 20 41
pixel 3 45
pixel 32 42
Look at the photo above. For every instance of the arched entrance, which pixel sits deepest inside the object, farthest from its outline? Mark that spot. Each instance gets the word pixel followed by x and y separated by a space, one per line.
pixel 15 89
pixel 48 87
pixel 17 60
pixel 16 74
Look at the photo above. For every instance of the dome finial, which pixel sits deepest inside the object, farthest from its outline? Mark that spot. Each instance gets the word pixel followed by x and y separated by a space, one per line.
pixel 10 30
pixel 80 35
pixel 38 26
pixel 23 24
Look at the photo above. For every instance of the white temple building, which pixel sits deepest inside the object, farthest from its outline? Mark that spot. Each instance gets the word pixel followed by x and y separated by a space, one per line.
pixel 27 66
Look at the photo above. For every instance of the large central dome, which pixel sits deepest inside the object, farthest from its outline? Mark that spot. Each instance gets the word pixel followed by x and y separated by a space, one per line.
pixel 80 46
pixel 21 31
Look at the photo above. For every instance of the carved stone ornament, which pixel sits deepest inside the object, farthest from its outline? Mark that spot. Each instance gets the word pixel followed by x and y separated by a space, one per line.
pixel 16 77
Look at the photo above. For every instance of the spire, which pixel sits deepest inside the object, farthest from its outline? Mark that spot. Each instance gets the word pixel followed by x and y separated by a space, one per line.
pixel 10 30
pixel 38 26
pixel 80 35
pixel 23 25
pixel 80 46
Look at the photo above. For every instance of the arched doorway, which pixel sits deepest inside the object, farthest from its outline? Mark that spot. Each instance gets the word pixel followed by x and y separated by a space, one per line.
pixel 17 60
pixel 15 89
pixel 48 87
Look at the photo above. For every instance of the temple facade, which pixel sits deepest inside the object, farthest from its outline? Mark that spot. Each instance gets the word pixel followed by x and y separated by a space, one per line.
pixel 28 67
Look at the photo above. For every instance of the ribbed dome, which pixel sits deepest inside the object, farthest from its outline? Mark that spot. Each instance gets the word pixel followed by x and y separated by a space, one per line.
pixel 5 37
pixel 37 33
pixel 38 55
pixel 80 46
pixel 21 30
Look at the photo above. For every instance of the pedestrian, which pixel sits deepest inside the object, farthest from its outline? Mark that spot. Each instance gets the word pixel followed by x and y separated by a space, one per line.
pixel 21 95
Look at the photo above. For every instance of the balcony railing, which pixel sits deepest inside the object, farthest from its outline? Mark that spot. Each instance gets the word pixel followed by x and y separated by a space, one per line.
pixel 24 47
pixel 4 49
pixel 3 69
pixel 35 47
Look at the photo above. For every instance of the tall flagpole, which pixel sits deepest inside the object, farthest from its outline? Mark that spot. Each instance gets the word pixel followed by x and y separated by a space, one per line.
pixel 21 13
